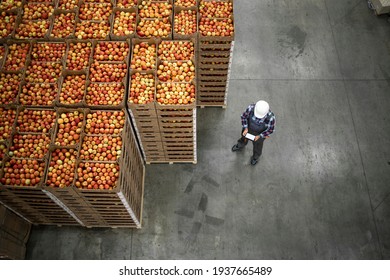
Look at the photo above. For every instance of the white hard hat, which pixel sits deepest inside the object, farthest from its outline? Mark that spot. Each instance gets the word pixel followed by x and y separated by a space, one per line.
pixel 261 109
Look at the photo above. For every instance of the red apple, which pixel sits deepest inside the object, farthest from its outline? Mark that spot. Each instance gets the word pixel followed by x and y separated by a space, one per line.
pixel 142 89
pixel 73 89
pixel 175 93
pixel 101 148
pixel 9 87
pixel 7 119
pixel 61 170
pixel 78 56
pixel 111 51
pixel 23 172
pixel 34 146
pixel 64 25
pixel 38 94
pixel 48 52
pixel 17 57
pixel 105 122
pixel 176 50
pixel 124 23
pixel 69 128
pixel 108 94
pixel 97 175
pixel 34 120
pixel 144 56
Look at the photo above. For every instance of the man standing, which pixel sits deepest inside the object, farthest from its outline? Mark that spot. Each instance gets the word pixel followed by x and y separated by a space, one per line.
pixel 259 121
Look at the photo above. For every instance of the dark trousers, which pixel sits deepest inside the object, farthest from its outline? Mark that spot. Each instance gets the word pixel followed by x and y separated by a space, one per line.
pixel 257 146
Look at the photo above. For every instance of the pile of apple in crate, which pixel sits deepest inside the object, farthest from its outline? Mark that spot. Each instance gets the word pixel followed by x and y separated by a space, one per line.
pixel 91 90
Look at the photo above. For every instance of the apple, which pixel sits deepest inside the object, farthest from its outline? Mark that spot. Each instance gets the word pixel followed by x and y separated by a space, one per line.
pixel 186 3
pixel 68 4
pixel 3 150
pixel 216 9
pixel 48 52
pixel 61 169
pixel 97 175
pixel 64 25
pixel 95 11
pixel 101 148
pixel 107 72
pixel 23 172
pixel 175 93
pixel 216 27
pixel 37 11
pixel 69 128
pixel 124 23
pixel 32 29
pixel 78 55
pixel 149 9
pixel 176 50
pixel 147 28
pixel 17 56
pixel 111 51
pixel 177 71
pixel 39 72
pixel 97 30
pixel 9 87
pixel 105 122
pixel 34 120
pixel 7 24
pixel 7 119
pixel 144 56
pixel 108 94
pixel 2 53
pixel 126 3
pixel 10 4
pixel 142 88
pixel 73 89
pixel 38 94
pixel 34 146
pixel 185 22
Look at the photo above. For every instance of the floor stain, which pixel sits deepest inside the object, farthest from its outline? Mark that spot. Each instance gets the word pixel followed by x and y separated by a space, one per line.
pixel 190 186
pixel 186 213
pixel 210 180
pixel 214 221
pixel 203 203
pixel 294 39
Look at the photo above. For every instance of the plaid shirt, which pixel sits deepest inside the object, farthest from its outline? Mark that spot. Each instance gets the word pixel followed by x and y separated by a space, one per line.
pixel 268 120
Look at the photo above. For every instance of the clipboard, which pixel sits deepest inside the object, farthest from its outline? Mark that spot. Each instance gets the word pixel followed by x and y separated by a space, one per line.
pixel 250 136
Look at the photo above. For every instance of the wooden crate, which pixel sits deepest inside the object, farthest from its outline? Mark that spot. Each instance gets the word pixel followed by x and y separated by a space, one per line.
pixel 122 205
pixel 13 224
pixel 11 248
pixel 35 206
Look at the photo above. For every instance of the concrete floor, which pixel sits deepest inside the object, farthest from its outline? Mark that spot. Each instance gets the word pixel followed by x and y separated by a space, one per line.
pixel 322 187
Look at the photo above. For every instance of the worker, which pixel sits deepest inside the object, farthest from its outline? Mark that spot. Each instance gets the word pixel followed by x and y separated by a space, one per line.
pixel 258 122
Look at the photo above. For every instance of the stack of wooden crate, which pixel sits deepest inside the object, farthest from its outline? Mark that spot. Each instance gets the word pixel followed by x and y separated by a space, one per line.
pixel 75 203
pixel 165 124
pixel 79 83
pixel 215 52
pixel 14 234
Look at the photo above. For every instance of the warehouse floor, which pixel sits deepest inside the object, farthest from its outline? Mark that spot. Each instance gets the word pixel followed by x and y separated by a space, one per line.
pixel 322 187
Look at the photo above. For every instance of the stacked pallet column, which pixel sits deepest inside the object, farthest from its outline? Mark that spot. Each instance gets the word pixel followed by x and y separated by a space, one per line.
pixel 162 99
pixel 68 152
pixel 215 52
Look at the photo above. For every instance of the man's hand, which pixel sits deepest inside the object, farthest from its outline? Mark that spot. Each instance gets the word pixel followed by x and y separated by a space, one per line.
pixel 257 138
pixel 245 132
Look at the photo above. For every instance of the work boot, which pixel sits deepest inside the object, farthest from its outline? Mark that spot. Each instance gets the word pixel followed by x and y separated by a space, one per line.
pixel 235 148
pixel 253 161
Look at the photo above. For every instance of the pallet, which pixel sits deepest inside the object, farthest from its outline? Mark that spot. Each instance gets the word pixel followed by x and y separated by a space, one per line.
pixel 170 162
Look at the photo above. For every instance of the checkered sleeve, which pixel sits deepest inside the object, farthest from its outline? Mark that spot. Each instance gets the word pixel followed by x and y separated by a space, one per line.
pixel 246 114
pixel 270 126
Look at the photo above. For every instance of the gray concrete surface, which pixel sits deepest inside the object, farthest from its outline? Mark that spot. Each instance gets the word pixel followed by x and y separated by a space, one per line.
pixel 322 187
